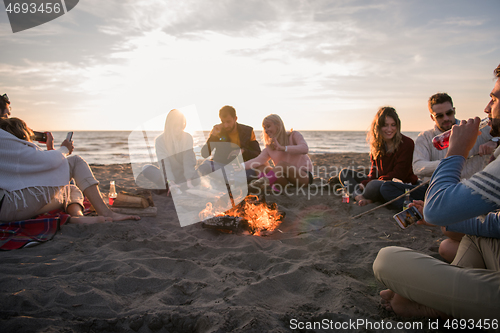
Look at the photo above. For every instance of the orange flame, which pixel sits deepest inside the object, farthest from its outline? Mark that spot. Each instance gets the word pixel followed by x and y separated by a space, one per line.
pixel 260 215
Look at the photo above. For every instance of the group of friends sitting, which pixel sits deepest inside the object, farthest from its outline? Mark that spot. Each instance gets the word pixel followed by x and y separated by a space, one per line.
pixel 456 191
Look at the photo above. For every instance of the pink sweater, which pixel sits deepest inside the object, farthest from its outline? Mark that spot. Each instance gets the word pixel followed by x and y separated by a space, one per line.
pixel 296 154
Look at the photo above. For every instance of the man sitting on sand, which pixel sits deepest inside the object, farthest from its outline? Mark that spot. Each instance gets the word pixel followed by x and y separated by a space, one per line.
pixel 426 158
pixel 233 136
pixel 469 288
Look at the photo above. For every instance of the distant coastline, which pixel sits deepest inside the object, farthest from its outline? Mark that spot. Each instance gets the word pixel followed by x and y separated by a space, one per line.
pixel 119 147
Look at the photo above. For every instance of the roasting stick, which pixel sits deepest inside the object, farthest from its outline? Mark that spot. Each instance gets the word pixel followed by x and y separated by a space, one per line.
pixel 389 202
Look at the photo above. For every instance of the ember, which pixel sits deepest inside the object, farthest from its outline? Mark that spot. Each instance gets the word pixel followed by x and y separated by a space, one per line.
pixel 251 215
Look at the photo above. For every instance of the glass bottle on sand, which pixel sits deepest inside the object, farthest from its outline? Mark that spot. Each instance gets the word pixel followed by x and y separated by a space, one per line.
pixel 112 192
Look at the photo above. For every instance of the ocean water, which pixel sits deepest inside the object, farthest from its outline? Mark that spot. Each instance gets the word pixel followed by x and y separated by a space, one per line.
pixel 117 147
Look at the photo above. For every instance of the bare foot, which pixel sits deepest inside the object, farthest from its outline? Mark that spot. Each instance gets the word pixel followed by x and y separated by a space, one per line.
pixel 362 201
pixel 90 219
pixel 405 308
pixel 123 217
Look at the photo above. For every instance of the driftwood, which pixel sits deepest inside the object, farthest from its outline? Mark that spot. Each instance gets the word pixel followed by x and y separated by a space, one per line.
pixel 391 201
pixel 144 212
pixel 129 200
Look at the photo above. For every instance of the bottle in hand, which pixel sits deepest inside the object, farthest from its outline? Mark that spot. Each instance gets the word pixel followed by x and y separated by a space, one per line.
pixel 442 141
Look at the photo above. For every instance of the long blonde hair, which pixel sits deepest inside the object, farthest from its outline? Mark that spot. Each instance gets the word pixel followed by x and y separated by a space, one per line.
pixel 375 138
pixel 281 136
pixel 173 132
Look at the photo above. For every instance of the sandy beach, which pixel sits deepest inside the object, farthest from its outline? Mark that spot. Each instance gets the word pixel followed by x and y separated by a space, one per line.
pixel 156 276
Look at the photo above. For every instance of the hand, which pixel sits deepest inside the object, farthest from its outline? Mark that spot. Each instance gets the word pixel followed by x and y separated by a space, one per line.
pixel 216 130
pixel 419 204
pixel 67 144
pixel 487 148
pixel 463 137
pixel 276 145
pixel 233 154
pixel 50 141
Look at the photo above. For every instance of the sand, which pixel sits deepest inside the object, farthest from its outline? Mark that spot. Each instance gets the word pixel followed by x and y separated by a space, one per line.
pixel 155 276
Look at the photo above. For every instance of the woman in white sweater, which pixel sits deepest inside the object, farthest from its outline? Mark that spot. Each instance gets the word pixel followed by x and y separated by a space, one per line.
pixel 35 181
pixel 175 154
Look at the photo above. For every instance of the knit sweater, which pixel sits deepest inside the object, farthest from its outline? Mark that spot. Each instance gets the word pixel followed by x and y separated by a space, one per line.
pixel 426 157
pixel 295 155
pixel 25 165
pixel 487 181
pixel 179 166
pixel 394 165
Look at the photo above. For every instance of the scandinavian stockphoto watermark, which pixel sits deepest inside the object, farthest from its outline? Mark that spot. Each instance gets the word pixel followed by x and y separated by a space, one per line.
pixel 27 14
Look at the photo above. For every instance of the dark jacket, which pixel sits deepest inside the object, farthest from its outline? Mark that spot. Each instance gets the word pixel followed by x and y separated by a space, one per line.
pixel 223 146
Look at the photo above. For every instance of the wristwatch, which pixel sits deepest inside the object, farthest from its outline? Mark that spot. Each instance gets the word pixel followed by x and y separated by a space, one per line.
pixel 496 140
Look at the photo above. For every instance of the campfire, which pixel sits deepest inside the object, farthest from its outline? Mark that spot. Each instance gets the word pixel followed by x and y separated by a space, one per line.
pixel 250 215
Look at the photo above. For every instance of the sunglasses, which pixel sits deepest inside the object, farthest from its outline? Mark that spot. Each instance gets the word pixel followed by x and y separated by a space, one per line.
pixel 448 113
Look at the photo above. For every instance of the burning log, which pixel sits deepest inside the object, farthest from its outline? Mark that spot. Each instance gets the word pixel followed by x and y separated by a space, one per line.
pixel 226 223
pixel 250 215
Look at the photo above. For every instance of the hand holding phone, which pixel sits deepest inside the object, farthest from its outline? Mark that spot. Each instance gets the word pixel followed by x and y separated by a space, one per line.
pixel 68 143
pixel 408 217
pixel 40 136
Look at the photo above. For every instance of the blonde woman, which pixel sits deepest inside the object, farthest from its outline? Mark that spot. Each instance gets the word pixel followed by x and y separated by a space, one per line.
pixel 288 152
pixel 176 158
pixel 391 155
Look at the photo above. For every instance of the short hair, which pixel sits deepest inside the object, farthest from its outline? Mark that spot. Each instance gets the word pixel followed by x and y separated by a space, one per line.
pixel 227 111
pixel 3 103
pixel 16 127
pixel 497 71
pixel 439 98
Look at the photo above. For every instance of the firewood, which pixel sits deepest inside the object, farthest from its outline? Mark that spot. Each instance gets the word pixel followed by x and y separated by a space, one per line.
pixel 144 212
pixel 127 200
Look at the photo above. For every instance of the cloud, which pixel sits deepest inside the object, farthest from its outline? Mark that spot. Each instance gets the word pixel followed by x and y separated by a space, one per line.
pixel 262 54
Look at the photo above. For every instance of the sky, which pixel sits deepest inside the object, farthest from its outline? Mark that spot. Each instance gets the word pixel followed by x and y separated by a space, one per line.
pixel 320 65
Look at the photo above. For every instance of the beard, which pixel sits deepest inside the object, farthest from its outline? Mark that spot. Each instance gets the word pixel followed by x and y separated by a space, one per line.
pixel 231 129
pixel 447 126
pixel 495 127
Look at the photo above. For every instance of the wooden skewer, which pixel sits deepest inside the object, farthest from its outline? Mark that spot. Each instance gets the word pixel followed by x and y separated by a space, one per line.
pixel 391 201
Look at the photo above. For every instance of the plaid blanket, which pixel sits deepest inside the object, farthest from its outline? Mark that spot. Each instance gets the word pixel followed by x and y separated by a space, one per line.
pixel 15 235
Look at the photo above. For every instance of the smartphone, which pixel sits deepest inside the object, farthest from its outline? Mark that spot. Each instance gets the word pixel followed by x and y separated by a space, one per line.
pixel 69 136
pixel 40 137
pixel 408 217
